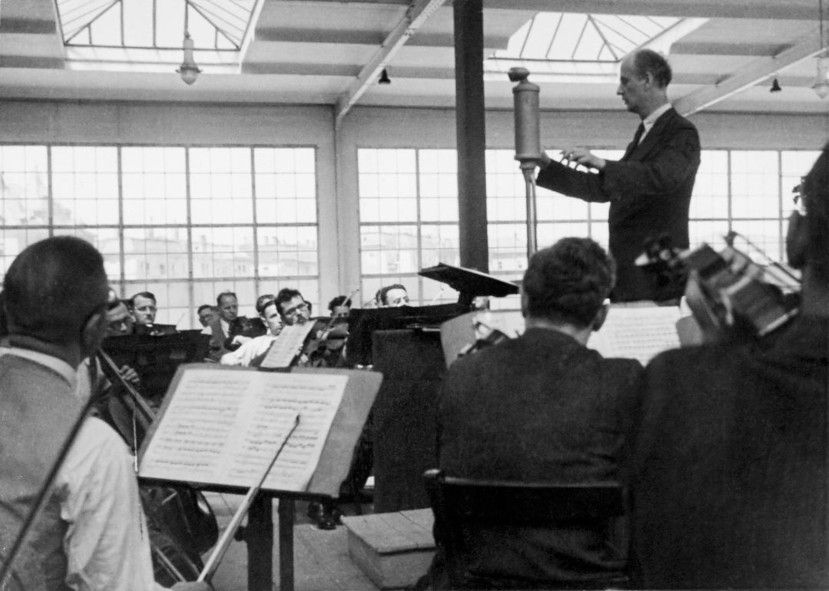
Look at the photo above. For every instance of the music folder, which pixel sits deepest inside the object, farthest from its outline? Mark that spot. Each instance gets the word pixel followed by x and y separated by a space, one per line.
pixel 219 426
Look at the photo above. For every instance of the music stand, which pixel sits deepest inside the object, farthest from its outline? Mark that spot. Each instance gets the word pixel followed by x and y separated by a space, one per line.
pixel 469 283
pixel 362 322
pixel 155 358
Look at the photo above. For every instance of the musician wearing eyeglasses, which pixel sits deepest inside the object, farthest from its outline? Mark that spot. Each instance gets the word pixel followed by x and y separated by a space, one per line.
pixel 91 533
pixel 728 475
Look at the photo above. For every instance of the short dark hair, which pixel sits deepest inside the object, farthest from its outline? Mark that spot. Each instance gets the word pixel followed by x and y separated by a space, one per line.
pixel 816 201
pixel 286 294
pixel 225 294
pixel 263 302
pixel 569 281
pixel 338 301
pixel 383 292
pixel 202 307
pixel 647 60
pixel 53 287
pixel 141 294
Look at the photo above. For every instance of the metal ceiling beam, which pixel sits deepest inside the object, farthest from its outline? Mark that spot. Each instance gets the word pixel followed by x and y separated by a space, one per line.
pixel 417 13
pixel 755 9
pixel 755 72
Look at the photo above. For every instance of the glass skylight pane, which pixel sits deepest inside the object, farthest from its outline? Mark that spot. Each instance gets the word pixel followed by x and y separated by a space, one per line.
pixel 567 35
pixel 590 46
pixel 139 33
pixel 106 29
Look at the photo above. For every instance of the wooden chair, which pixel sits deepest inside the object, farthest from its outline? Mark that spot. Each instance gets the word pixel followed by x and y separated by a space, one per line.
pixel 459 503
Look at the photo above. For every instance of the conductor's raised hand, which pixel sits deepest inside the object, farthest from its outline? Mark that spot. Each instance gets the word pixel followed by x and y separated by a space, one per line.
pixel 584 157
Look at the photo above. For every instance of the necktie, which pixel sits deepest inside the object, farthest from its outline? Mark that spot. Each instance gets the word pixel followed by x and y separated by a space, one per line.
pixel 632 146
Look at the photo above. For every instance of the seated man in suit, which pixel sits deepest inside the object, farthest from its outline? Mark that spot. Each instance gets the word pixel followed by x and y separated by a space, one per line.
pixel 257 346
pixel 542 407
pixel 207 315
pixel 728 473
pixel 230 330
pixel 143 307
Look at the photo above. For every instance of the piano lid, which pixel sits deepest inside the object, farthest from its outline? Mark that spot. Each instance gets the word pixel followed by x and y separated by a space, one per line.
pixel 469 282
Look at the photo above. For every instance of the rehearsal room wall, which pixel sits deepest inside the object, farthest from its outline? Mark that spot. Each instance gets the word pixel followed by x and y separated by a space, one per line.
pixel 149 123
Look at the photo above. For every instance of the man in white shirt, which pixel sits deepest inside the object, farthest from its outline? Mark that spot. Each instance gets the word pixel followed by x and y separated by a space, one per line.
pixel 91 533
pixel 252 348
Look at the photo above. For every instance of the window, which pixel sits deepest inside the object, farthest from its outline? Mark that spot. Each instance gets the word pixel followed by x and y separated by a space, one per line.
pixel 183 223
pixel 408 210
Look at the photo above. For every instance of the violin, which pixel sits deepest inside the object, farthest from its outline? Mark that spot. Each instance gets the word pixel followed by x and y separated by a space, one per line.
pixel 731 294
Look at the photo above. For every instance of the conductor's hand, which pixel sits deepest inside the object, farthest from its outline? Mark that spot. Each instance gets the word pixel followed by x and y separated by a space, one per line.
pixel 195 586
pixel 584 157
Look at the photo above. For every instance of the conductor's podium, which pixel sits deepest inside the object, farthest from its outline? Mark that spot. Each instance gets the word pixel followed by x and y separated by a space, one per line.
pixel 393 549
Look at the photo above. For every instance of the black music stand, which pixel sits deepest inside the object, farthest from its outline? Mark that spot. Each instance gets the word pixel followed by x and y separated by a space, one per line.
pixel 363 322
pixel 469 283
pixel 156 358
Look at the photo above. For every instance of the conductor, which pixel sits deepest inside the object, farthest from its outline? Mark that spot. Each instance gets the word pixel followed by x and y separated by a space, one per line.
pixel 649 188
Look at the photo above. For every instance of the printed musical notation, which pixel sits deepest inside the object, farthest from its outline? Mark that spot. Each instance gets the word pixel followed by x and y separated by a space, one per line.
pixel 637 332
pixel 287 345
pixel 223 427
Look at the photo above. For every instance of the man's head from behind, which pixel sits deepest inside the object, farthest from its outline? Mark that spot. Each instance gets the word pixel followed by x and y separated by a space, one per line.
pixel 228 306
pixel 292 307
pixel 807 241
pixel 56 291
pixel 568 283
pixel 643 80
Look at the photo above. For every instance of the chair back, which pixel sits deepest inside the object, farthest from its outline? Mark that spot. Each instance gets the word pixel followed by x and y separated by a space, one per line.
pixel 458 503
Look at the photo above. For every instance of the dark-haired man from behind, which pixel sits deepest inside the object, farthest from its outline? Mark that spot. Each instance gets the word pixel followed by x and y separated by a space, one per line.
pixel 543 407
pixel 91 534
pixel 649 188
pixel 728 476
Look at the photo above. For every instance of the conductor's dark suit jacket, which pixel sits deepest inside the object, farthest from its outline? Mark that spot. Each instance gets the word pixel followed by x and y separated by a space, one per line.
pixel 728 479
pixel 541 407
pixel 649 191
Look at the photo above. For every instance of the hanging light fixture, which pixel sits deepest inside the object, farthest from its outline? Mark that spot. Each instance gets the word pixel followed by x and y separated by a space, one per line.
pixel 775 86
pixel 188 69
pixel 821 85
pixel 384 77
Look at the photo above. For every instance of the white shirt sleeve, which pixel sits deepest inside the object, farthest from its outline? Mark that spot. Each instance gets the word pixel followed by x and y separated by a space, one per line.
pixel 107 541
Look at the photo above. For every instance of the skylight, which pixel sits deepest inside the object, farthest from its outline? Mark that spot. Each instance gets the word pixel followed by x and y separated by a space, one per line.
pixel 213 24
pixel 584 46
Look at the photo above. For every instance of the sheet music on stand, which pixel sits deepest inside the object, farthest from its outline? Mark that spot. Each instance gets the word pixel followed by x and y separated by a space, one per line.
pixel 637 332
pixel 220 426
pixel 287 345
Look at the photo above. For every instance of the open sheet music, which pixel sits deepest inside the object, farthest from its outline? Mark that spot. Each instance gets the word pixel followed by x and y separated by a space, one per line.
pixel 222 426
pixel 637 332
pixel 287 345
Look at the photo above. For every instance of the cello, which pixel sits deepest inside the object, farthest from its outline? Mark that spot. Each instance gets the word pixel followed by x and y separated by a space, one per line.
pixel 181 523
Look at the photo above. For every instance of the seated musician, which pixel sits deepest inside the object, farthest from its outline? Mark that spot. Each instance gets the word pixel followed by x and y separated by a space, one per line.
pixel 392 296
pixel 143 307
pixel 542 407
pixel 91 534
pixel 207 315
pixel 257 346
pixel 729 452
pixel 230 330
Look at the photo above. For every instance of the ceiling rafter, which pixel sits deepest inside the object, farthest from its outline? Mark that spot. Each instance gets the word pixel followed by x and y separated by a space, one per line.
pixel 757 71
pixel 417 13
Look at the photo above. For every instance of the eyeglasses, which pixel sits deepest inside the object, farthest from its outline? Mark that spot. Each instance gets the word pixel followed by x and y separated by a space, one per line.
pixel 299 308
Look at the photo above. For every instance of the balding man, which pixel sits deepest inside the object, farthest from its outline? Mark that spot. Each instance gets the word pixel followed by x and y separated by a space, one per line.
pixel 91 533
pixel 650 188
